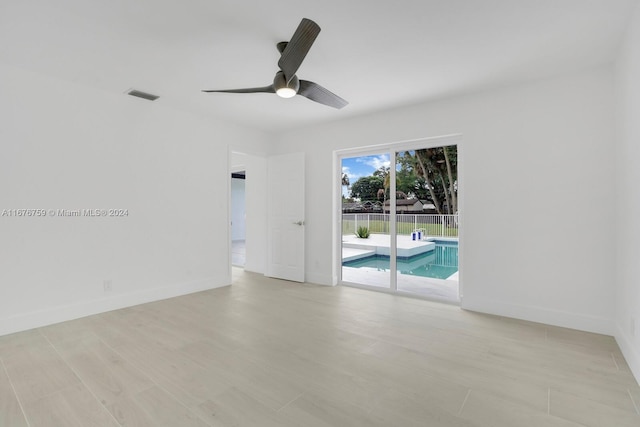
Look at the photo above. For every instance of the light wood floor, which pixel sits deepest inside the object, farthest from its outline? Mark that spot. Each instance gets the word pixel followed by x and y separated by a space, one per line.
pixel 265 352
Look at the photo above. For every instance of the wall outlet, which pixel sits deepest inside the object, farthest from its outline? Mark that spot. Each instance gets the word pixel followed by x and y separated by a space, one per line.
pixel 107 285
pixel 632 327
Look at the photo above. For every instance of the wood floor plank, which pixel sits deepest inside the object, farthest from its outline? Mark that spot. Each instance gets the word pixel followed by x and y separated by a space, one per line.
pixel 275 389
pixel 314 410
pixel 14 343
pixel 37 372
pixel 266 352
pixel 164 411
pixel 319 378
pixel 468 373
pixel 171 369
pixel 128 413
pixel 236 408
pixel 71 407
pixel 590 413
pixel 634 392
pixel 487 409
pixel 73 330
pixel 102 370
pixel 11 414
pixel 396 408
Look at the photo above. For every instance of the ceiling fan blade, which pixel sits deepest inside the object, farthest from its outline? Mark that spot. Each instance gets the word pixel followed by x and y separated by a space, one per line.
pixel 298 47
pixel 266 89
pixel 317 93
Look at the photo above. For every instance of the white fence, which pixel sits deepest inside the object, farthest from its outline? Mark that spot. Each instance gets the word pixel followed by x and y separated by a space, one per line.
pixel 432 225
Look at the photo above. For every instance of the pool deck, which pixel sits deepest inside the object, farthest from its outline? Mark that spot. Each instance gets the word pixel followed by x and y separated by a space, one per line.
pixel 354 247
pixel 437 289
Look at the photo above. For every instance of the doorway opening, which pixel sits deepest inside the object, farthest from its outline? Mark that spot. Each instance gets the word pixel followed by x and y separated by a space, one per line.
pixel 399 221
pixel 238 219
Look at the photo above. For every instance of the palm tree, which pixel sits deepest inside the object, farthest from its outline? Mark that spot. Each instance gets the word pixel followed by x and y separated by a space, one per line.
pixel 346 183
pixel 385 174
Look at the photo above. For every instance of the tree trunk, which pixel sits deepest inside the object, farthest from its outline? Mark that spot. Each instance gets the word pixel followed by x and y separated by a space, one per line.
pixel 427 180
pixel 446 192
pixel 454 197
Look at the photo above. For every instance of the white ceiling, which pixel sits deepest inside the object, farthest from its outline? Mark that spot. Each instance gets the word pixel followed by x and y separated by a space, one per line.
pixel 377 55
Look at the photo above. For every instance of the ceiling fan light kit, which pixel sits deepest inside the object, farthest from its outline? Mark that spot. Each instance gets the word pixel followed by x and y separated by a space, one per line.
pixel 283 88
pixel 286 84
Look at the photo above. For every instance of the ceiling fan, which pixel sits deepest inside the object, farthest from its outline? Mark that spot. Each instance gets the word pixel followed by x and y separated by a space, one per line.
pixel 286 84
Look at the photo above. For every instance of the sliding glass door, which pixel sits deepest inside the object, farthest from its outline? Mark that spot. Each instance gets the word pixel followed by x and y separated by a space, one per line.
pixel 426 222
pixel 399 220
pixel 366 240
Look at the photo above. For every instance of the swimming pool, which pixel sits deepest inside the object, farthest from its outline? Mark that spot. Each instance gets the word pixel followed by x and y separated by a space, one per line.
pixel 440 263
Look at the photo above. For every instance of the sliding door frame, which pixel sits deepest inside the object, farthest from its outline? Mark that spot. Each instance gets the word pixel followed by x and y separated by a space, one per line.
pixel 391 149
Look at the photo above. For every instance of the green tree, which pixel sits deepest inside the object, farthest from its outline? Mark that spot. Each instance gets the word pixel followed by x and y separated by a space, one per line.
pixel 366 188
pixel 451 163
pixel 383 172
pixel 407 181
pixel 428 174
pixel 438 167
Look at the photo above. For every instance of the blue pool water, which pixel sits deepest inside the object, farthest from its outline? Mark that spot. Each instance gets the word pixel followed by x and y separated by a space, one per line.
pixel 440 263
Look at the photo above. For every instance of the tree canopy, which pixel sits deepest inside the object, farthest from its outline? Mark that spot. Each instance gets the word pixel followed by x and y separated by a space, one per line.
pixel 366 187
pixel 428 174
pixel 439 168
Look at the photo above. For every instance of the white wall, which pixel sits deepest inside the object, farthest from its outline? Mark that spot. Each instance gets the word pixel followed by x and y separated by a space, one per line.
pixel 238 209
pixel 64 146
pixel 628 195
pixel 537 240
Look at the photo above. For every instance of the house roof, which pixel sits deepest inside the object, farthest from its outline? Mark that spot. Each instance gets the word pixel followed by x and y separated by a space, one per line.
pixel 359 205
pixel 403 202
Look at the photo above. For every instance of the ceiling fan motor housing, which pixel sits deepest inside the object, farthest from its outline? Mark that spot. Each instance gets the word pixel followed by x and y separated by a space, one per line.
pixel 284 89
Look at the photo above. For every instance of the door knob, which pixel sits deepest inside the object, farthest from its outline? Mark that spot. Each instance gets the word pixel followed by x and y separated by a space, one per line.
pixel 298 222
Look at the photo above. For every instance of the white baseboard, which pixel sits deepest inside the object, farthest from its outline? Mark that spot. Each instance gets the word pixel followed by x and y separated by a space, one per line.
pixel 36 319
pixel 318 279
pixel 565 319
pixel 252 270
pixel 630 354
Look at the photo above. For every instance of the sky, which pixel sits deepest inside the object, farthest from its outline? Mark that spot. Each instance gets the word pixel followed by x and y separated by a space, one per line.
pixel 357 167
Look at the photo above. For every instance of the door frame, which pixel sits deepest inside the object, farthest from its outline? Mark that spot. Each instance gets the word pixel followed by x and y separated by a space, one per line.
pixel 391 149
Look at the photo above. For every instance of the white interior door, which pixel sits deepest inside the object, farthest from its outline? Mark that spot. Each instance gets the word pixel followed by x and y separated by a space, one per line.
pixel 285 254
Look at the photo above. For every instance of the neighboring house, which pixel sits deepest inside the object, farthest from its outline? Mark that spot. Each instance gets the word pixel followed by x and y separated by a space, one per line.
pixel 362 207
pixel 351 206
pixel 405 205
pixel 429 208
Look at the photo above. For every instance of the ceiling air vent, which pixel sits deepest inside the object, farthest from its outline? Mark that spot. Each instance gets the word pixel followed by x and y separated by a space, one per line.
pixel 143 95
